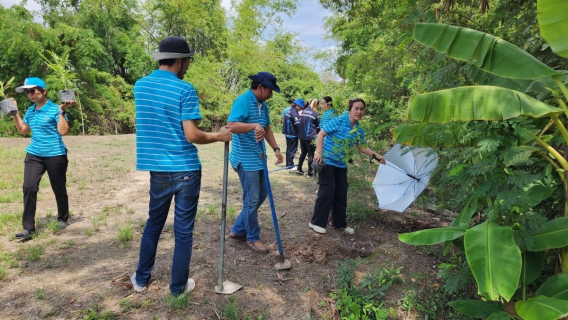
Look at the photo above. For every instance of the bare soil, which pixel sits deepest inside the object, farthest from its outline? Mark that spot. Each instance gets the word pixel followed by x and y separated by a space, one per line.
pixel 85 267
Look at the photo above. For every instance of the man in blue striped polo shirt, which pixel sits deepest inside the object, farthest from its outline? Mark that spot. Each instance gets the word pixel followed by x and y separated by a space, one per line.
pixel 250 121
pixel 167 115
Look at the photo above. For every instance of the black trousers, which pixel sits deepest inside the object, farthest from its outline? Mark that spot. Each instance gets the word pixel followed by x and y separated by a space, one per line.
pixel 332 195
pixel 291 149
pixel 34 169
pixel 307 148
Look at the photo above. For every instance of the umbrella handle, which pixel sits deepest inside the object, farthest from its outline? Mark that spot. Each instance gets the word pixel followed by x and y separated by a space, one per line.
pixel 373 157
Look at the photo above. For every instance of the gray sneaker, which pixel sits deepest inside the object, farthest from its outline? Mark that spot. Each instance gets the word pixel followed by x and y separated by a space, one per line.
pixel 189 286
pixel 62 225
pixel 135 286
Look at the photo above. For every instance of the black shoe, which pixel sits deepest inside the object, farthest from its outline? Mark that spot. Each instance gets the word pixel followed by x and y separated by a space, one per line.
pixel 300 173
pixel 25 235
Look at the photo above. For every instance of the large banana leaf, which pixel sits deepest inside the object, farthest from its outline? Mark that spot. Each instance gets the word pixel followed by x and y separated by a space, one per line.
pixel 533 262
pixel 432 236
pixel 475 103
pixel 552 235
pixel 495 260
pixel 487 52
pixel 553 21
pixel 483 78
pixel 477 308
pixel 555 287
pixel 500 316
pixel 542 308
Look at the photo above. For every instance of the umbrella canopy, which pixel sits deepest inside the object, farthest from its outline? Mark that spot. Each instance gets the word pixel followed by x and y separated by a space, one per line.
pixel 405 175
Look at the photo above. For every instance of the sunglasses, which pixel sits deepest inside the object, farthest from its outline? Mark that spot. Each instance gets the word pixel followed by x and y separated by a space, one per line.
pixel 32 91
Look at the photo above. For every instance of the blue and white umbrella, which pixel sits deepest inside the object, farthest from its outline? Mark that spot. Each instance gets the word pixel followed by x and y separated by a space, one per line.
pixel 405 175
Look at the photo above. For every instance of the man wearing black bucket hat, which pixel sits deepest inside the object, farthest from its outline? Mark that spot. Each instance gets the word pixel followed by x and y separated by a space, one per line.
pixel 167 115
pixel 250 121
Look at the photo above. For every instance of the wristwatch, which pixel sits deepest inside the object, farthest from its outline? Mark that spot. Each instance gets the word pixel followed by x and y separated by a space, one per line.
pixel 276 149
pixel 62 112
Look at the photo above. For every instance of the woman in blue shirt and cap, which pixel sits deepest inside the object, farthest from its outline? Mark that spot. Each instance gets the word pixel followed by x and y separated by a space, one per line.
pixel 48 123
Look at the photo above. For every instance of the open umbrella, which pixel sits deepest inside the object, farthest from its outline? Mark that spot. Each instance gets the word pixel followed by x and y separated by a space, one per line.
pixel 405 175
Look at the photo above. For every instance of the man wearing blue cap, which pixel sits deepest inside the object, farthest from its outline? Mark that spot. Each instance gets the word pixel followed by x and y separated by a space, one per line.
pixel 250 121
pixel 167 115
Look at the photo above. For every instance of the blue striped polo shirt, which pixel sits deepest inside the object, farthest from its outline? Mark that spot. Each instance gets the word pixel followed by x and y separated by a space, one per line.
pixel 46 140
pixel 244 148
pixel 325 117
pixel 162 102
pixel 340 136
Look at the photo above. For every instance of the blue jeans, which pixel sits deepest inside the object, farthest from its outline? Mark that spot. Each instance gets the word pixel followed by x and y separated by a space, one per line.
pixel 254 194
pixel 185 186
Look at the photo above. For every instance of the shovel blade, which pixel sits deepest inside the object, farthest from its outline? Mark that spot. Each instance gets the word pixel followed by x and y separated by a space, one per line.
pixel 229 287
pixel 283 265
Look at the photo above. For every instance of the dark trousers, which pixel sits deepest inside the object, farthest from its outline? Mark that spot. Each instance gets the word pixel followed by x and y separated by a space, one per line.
pixel 332 195
pixel 291 149
pixel 307 148
pixel 34 169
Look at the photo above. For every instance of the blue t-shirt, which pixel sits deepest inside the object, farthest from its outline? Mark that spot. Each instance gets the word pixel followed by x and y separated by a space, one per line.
pixel 325 117
pixel 340 137
pixel 46 140
pixel 162 102
pixel 244 148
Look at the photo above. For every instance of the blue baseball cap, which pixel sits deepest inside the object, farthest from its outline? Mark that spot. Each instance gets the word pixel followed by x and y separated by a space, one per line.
pixel 266 79
pixel 31 83
pixel 299 102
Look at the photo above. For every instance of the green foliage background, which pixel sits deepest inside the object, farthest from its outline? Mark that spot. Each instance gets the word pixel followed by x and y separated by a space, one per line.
pixel 110 44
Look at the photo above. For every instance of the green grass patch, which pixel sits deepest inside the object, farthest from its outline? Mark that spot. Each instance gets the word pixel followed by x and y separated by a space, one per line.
pixel 125 233
pixel 177 303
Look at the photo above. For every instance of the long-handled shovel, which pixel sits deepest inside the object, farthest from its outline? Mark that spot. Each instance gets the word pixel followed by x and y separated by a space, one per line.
pixel 226 287
pixel 282 264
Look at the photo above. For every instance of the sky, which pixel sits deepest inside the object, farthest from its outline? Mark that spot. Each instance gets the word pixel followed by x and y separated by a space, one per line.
pixel 307 23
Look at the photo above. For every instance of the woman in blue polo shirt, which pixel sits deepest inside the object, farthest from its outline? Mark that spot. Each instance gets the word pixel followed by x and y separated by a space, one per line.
pixel 48 123
pixel 338 135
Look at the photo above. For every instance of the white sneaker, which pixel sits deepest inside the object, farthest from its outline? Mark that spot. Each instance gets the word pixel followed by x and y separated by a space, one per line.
pixel 316 228
pixel 135 285
pixel 348 230
pixel 189 286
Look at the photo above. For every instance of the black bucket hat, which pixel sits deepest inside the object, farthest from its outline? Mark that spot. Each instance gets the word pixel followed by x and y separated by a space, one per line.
pixel 266 79
pixel 173 48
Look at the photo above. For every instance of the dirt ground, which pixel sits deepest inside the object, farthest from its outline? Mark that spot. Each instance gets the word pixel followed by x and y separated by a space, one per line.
pixel 85 268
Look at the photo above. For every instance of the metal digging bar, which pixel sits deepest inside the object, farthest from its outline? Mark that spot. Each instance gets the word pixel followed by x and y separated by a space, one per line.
pixel 282 264
pixel 226 287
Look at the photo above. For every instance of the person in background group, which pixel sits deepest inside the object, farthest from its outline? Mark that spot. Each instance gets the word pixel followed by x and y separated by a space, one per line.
pixel 167 115
pixel 48 123
pixel 307 131
pixel 326 104
pixel 340 133
pixel 290 121
pixel 250 121
pixel 314 104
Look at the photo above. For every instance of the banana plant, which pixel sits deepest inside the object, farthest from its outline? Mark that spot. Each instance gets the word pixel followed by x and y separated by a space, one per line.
pixel 497 263
pixel 62 75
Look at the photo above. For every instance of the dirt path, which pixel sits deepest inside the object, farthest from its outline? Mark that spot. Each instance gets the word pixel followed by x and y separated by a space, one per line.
pixel 84 269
